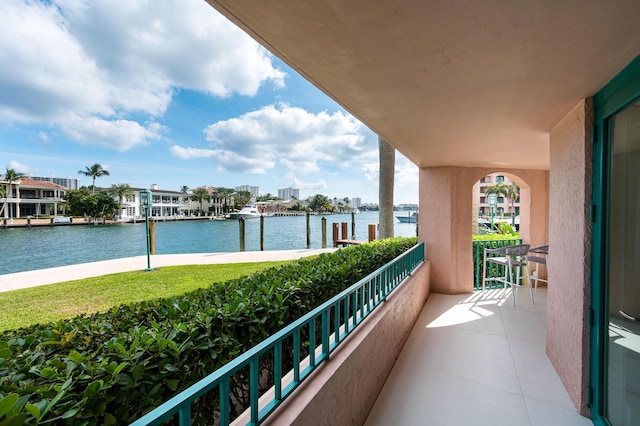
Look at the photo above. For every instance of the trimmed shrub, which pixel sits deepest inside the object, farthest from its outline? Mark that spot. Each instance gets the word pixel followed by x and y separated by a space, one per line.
pixel 113 367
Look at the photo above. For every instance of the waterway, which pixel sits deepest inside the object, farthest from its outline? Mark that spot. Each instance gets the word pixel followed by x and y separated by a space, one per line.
pixel 25 249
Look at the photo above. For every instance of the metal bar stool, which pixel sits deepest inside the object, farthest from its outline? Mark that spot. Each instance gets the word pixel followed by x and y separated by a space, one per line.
pixel 510 257
pixel 540 257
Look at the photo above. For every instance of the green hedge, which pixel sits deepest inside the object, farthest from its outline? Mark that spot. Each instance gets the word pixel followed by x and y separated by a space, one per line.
pixel 113 367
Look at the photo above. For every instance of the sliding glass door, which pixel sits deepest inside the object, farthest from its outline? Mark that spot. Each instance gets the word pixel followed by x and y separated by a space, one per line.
pixel 615 335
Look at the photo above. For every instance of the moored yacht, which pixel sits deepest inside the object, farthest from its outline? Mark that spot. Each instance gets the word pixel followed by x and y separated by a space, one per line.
pixel 250 211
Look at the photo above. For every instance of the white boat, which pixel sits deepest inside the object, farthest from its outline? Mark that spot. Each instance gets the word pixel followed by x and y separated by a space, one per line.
pixel 250 211
pixel 410 218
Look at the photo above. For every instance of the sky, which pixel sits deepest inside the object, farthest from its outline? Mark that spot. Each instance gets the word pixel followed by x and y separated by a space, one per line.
pixel 171 93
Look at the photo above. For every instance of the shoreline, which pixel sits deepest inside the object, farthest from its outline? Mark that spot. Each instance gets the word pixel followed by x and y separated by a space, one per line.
pixel 39 277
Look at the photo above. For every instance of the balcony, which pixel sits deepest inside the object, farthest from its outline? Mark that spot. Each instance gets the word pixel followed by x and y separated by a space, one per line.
pixel 476 360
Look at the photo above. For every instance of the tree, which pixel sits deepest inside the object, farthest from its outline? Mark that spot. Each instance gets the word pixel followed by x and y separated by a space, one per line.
pixel 81 202
pixel 184 189
pixel 241 198
pixel 199 195
pixel 267 197
pixel 385 188
pixel 11 176
pixel 511 192
pixel 319 203
pixel 94 171
pixel 120 190
pixel 226 194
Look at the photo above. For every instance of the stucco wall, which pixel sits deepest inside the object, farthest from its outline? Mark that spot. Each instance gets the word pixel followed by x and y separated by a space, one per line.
pixel 569 251
pixel 445 221
pixel 343 390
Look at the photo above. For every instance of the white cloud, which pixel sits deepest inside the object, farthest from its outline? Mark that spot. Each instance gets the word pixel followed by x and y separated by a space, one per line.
pixel 300 184
pixel 117 134
pixel 21 168
pixel 406 173
pixel 191 153
pixel 296 139
pixel 68 61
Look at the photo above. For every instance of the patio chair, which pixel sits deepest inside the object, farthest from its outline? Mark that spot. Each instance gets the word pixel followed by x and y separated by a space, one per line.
pixel 540 257
pixel 510 257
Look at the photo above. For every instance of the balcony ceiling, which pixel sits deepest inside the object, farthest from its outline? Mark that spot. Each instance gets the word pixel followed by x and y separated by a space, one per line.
pixel 465 83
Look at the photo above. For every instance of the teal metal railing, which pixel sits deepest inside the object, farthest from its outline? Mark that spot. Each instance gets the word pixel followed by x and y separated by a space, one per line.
pixel 293 353
pixel 493 270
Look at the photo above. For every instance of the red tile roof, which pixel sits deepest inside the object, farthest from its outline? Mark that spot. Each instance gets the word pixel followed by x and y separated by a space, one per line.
pixel 39 183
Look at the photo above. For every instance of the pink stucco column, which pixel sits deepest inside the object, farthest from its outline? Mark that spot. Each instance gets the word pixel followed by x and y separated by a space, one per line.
pixel 569 251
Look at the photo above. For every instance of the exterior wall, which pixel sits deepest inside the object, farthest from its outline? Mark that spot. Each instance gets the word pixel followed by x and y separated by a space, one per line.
pixel 483 202
pixel 569 251
pixel 31 197
pixel 343 390
pixel 446 218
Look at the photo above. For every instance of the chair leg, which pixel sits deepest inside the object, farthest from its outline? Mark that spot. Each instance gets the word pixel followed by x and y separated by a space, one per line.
pixel 508 280
pixel 531 282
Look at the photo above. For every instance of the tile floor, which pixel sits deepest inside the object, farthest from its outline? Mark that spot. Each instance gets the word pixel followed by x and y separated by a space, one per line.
pixel 476 360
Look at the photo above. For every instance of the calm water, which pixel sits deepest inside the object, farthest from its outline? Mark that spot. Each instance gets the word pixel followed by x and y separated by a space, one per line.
pixel 25 249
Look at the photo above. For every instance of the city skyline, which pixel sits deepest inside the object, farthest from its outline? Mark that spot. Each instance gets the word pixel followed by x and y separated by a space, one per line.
pixel 175 95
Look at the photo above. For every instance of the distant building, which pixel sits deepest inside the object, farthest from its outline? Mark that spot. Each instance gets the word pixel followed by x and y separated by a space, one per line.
pixel 216 204
pixel 30 197
pixel 355 203
pixel 407 207
pixel 253 190
pixel 164 203
pixel 289 193
pixel 503 204
pixel 68 182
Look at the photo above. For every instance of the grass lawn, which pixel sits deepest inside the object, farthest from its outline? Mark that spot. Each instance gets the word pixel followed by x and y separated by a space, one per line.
pixel 53 302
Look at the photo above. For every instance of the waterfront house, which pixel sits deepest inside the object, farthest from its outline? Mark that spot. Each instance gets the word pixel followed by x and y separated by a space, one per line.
pixel 543 92
pixel 30 197
pixel 164 204
pixel 217 204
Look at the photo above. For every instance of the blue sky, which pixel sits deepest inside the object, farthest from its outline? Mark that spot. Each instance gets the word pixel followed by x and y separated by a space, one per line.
pixel 171 93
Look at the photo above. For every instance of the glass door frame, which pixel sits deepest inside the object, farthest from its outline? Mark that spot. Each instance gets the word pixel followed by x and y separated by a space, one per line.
pixel 621 91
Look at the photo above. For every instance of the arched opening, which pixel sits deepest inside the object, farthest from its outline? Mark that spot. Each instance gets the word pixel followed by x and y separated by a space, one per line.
pixel 446 224
pixel 495 216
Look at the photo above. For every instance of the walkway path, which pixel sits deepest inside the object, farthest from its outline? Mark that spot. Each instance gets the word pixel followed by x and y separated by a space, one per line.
pixel 27 279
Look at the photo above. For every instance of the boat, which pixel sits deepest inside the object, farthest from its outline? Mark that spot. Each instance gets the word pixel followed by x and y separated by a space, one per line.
pixel 410 218
pixel 250 211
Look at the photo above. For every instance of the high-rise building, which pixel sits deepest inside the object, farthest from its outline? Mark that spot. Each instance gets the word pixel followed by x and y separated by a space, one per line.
pixel 68 182
pixel 355 202
pixel 253 190
pixel 289 193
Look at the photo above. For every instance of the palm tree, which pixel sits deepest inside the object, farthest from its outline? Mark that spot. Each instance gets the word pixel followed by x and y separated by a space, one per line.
pixel 120 190
pixel 512 192
pixel 385 187
pixel 184 189
pixel 94 171
pixel 226 195
pixel 10 177
pixel 199 195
